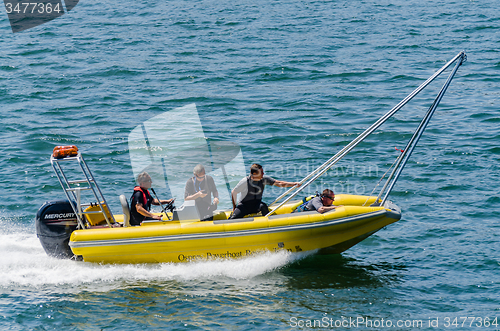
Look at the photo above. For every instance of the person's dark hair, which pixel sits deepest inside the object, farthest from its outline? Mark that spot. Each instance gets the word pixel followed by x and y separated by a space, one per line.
pixel 255 169
pixel 327 192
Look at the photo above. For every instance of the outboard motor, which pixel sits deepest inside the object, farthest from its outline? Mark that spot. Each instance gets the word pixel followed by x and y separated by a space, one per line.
pixel 55 221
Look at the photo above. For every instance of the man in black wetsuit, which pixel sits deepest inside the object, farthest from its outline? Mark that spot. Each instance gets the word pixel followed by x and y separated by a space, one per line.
pixel 200 188
pixel 251 189
pixel 141 201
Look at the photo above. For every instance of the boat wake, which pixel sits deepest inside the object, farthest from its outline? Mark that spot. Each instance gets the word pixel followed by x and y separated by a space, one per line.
pixel 24 263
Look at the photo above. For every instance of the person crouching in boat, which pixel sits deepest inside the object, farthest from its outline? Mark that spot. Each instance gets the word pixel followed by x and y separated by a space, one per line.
pixel 251 189
pixel 321 204
pixel 141 200
pixel 200 188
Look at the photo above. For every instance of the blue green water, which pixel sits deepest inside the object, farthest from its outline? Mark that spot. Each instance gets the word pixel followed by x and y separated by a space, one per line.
pixel 291 82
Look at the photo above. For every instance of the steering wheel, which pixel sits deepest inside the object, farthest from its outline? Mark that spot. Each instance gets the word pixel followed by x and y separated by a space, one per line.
pixel 170 206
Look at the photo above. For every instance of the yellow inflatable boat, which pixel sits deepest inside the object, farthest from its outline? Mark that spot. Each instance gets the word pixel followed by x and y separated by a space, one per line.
pixel 90 232
pixel 188 240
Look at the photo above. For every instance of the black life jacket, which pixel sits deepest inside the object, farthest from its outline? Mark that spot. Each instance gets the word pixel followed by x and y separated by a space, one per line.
pixel 254 190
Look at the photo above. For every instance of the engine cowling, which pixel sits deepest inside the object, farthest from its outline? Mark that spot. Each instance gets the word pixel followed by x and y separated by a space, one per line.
pixel 55 221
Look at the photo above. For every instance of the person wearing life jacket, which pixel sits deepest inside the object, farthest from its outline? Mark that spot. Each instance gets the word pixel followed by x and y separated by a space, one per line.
pixel 251 189
pixel 200 188
pixel 141 200
pixel 321 204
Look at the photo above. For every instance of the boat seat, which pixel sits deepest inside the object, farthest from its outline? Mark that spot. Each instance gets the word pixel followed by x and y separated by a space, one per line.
pixel 126 210
pixel 95 216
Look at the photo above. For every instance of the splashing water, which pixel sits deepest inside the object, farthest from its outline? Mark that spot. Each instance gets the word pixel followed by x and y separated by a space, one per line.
pixel 25 264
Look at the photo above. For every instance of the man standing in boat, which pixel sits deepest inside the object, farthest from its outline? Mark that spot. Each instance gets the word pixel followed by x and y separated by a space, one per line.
pixel 200 188
pixel 141 201
pixel 251 189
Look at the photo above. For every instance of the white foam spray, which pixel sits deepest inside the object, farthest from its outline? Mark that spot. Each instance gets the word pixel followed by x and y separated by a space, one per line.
pixel 24 263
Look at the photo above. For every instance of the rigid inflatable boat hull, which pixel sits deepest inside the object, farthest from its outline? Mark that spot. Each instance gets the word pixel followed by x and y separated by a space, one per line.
pixel 332 232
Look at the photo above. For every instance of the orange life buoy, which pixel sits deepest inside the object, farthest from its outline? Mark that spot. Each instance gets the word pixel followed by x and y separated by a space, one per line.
pixel 64 151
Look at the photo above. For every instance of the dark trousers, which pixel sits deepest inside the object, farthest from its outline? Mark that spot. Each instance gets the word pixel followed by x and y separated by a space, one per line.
pixel 252 207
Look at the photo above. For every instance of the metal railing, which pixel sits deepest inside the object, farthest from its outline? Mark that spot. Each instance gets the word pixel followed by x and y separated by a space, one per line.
pixel 337 157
